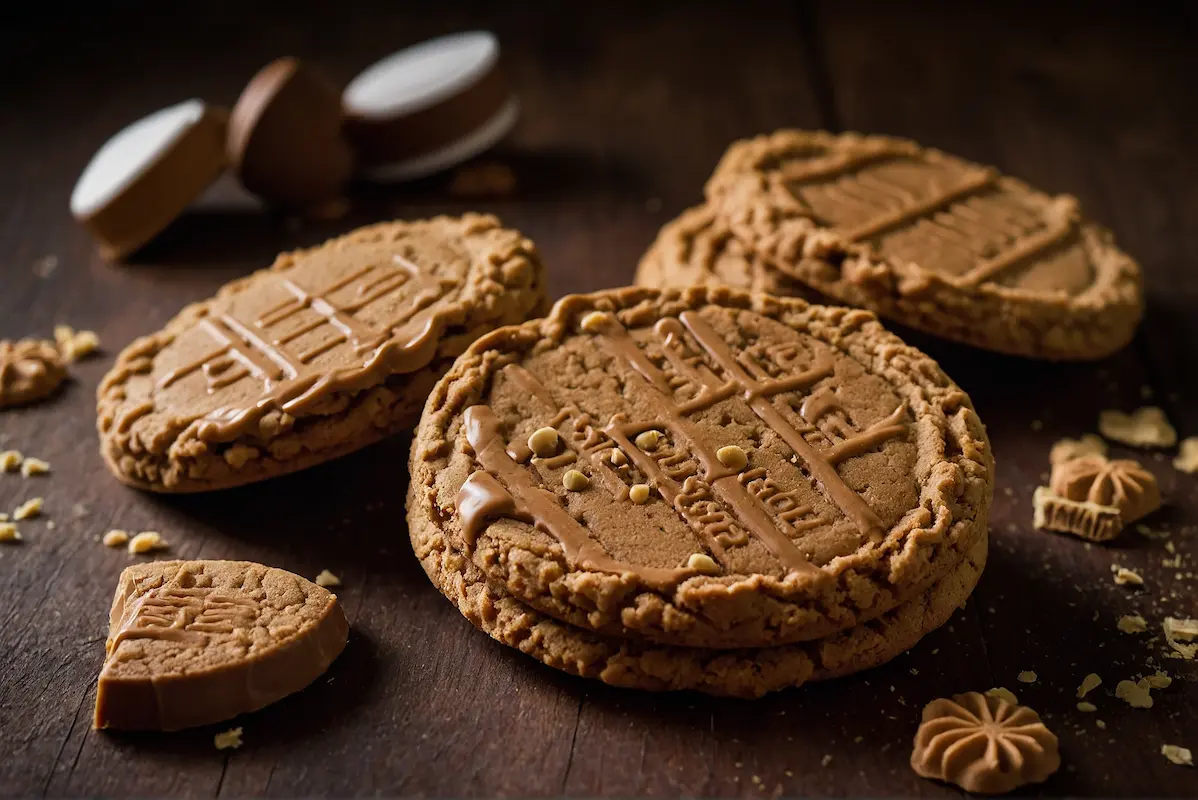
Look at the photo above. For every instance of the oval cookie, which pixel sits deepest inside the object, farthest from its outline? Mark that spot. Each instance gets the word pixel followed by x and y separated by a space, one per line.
pixel 758 470
pixel 932 241
pixel 328 350
pixel 196 642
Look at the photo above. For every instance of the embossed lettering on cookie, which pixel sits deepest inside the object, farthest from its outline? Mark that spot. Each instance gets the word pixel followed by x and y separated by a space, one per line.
pixel 328 350
pixel 751 471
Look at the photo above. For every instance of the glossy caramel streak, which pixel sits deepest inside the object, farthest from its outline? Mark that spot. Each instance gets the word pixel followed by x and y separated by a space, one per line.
pixel 481 499
pixel 759 397
pixel 486 439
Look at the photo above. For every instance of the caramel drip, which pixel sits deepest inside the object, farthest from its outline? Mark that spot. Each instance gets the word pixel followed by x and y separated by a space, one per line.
pixel 870 438
pixel 758 395
pixel 485 437
pixel 818 405
pixel 186 616
pixel 972 182
pixel 482 498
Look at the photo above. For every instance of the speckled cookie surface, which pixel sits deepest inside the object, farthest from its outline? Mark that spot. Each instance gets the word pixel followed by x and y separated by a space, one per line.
pixel 754 470
pixel 330 349
pixel 30 370
pixel 697 249
pixel 641 665
pixel 931 240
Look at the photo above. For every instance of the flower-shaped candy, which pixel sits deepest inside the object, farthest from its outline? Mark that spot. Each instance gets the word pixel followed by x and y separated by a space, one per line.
pixel 983 744
pixel 1122 484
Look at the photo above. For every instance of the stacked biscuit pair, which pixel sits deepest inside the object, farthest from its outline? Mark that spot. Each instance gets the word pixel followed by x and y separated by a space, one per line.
pixel 689 488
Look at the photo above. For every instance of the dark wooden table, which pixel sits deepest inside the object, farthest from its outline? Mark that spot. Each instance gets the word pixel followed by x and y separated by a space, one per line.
pixel 626 109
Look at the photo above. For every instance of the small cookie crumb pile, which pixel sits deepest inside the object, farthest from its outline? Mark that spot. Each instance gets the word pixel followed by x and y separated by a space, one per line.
pixel 326 579
pixel 1132 623
pixel 1182 636
pixel 1135 693
pixel 1144 427
pixel 543 442
pixel 983 744
pixel 575 481
pixel 146 542
pixel 116 538
pixel 230 739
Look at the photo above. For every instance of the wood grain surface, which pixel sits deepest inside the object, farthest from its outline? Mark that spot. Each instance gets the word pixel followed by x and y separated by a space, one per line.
pixel 626 108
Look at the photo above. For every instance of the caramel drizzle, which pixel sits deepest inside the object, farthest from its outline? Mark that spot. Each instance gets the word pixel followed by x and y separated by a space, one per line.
pixel 482 498
pixel 485 438
pixel 289 384
pixel 186 616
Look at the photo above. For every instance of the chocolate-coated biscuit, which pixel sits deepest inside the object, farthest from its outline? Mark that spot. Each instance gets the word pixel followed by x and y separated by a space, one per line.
pixel 328 350
pixel 932 241
pixel 751 470
pixel 196 642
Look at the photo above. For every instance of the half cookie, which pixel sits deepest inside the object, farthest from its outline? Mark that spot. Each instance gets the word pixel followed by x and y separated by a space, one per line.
pixel 931 241
pixel 328 350
pixel 196 642
pixel 706 468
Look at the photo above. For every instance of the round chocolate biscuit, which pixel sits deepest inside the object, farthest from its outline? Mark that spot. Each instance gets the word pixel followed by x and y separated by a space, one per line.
pixel 932 241
pixel 196 642
pixel 636 664
pixel 750 470
pixel 330 349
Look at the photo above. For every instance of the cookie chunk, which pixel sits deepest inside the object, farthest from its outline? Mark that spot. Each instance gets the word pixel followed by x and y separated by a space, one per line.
pixel 196 642
pixel 854 472
pixel 328 350
pixel 30 370
pixel 932 241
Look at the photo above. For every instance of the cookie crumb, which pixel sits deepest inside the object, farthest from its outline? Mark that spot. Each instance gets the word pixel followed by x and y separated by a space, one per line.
pixel 1180 635
pixel 1132 623
pixel 594 322
pixel 81 345
pixel 1069 449
pixel 1134 694
pixel 1027 676
pixel 326 579
pixel 1101 725
pixel 648 440
pixel 1178 755
pixel 732 457
pixel 34 466
pixel 1089 684
pixel 638 493
pixel 702 563
pixel 1144 427
pixel 575 481
pixel 1125 577
pixel 1001 693
pixel 1087 707
pixel 10 461
pixel 146 542
pixel 230 739
pixel 9 532
pixel 115 538
pixel 29 509
pixel 826 760
pixel 1159 681
pixel 1187 457
pixel 543 442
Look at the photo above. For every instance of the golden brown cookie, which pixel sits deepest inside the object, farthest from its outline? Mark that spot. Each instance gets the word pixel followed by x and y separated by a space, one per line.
pixel 697 249
pixel 636 664
pixel 328 350
pixel 932 241
pixel 30 369
pixel 758 470
pixel 196 642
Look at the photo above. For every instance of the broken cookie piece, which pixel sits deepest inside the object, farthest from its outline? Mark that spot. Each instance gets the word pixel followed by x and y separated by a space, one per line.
pixel 1144 427
pixel 1087 520
pixel 1069 449
pixel 1122 484
pixel 197 642
pixel 30 370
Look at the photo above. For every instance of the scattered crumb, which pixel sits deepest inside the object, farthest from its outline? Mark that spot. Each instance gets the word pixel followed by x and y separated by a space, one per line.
pixel 1159 681
pixel 83 344
pixel 29 509
pixel 1148 533
pixel 1125 576
pixel 1037 425
pixel 1132 623
pixel 1144 427
pixel 1134 694
pixel 1178 755
pixel 9 532
pixel 1069 449
pixel 827 759
pixel 1087 707
pixel 230 739
pixel 34 466
pixel 1027 676
pixel 1180 634
pixel 1002 694
pixel 1089 684
pixel 1187 457
pixel 146 542
pixel 1101 725
pixel 327 579
pixel 10 461
pixel 116 538
pixel 702 562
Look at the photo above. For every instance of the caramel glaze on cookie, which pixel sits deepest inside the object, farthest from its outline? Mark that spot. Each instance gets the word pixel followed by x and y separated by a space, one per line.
pixel 932 241
pixel 867 473
pixel 328 350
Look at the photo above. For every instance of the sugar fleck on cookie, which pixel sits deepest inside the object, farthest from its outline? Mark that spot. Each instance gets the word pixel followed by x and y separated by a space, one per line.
pixel 932 241
pixel 196 642
pixel 328 350
pixel 1121 483
pixel 866 473
pixel 984 744
pixel 30 370
pixel 696 249
pixel 1144 427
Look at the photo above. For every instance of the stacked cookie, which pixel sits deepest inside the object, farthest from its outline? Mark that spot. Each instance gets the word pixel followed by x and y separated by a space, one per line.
pixel 701 489
pixel 918 236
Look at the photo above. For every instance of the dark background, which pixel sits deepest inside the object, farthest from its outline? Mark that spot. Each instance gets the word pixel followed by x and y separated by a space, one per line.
pixel 626 108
